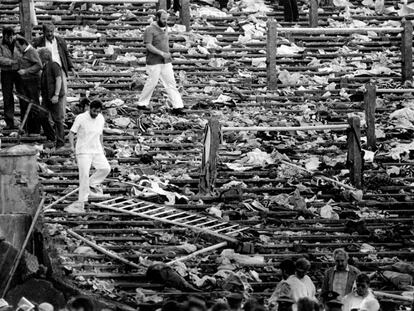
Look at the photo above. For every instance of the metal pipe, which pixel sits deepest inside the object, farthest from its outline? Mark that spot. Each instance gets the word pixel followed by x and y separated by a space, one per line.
pixel 101 1
pixel 338 31
pixel 287 128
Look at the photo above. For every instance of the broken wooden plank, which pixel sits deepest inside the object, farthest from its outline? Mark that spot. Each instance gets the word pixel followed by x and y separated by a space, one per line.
pixel 313 13
pixel 354 152
pixel 369 105
pixel 407 51
pixel 103 250
pixel 271 51
pixel 199 252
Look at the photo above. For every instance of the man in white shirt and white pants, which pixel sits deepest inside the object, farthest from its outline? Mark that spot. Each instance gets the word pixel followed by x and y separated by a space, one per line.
pixel 88 128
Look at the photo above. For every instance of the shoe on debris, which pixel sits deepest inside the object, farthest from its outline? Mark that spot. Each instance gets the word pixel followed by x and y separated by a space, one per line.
pixel 97 192
pixel 75 208
pixel 356 226
pixel 144 107
pixel 178 112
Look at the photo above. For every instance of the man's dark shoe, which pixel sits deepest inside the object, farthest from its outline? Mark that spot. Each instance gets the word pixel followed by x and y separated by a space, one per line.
pixel 178 111
pixel 146 108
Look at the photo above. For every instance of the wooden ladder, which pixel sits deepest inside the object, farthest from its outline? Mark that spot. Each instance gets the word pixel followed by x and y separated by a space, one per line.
pixel 167 214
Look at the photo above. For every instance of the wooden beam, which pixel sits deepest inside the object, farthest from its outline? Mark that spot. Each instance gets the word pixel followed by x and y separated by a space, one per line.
pixel 199 252
pixel 185 16
pixel 338 31
pixel 212 140
pixel 369 106
pixel 407 51
pixel 313 13
pixel 25 19
pixel 271 51
pixel 354 152
pixel 103 250
pixel 101 1
pixel 287 128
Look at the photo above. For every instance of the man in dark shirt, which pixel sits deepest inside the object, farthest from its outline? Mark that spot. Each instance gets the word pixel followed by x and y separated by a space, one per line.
pixel 52 90
pixel 9 56
pixel 29 72
pixel 159 64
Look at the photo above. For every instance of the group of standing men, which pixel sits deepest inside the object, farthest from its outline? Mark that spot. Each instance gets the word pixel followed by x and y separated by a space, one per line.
pixel 344 287
pixel 34 69
pixel 45 71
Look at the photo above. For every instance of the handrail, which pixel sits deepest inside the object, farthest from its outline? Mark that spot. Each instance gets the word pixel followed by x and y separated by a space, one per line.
pixel 273 31
pixel 309 30
pixel 213 139
pixel 395 90
pixel 100 1
pixel 287 128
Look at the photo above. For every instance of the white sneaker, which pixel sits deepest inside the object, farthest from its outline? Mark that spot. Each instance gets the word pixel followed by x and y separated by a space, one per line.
pixel 75 208
pixel 97 192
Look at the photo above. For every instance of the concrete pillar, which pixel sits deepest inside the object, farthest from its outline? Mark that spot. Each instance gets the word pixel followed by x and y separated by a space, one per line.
pixel 19 192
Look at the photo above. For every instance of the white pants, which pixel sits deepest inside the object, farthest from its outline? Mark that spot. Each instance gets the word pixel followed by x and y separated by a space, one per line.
pixel 166 74
pixel 62 99
pixel 101 165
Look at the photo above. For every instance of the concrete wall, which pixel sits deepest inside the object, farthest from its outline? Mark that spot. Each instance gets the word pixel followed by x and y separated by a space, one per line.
pixel 19 182
pixel 13 228
pixel 19 192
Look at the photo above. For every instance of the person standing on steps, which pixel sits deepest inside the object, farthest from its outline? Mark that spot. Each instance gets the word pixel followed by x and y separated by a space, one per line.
pixel 9 55
pixel 29 74
pixel 290 10
pixel 60 54
pixel 300 283
pixel 51 90
pixel 88 128
pixel 159 64
pixel 340 278
pixel 362 297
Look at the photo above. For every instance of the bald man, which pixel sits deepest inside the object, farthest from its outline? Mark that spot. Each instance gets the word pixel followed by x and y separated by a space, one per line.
pixel 159 64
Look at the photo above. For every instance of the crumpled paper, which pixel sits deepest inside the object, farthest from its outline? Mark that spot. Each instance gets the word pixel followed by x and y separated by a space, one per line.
pixel 403 118
pixel 289 78
pixel 400 149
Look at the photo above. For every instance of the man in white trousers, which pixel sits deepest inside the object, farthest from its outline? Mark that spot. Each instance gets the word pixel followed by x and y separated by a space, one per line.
pixel 159 64
pixel 88 128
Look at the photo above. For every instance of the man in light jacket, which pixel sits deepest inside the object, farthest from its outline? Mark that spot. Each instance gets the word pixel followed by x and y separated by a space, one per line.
pixel 340 278
pixel 60 54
